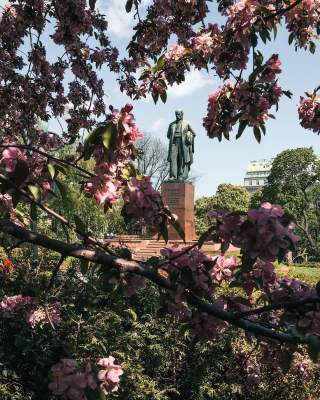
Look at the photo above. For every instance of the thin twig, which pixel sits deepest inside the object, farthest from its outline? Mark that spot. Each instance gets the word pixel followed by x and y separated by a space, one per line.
pixel 54 273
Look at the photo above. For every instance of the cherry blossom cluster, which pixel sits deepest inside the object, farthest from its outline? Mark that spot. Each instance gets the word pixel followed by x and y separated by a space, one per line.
pixel 110 162
pixel 244 102
pixel 186 267
pixel 273 355
pixel 303 22
pixel 262 234
pixel 33 167
pixel 174 54
pixel 37 316
pixel 141 200
pixel 11 304
pixel 45 315
pixel 33 84
pixel 71 381
pixel 309 113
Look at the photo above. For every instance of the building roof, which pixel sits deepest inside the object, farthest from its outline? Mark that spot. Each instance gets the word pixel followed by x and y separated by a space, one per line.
pixel 260 165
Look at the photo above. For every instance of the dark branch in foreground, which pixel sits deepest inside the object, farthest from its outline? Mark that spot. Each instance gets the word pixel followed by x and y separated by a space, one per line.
pixel 108 261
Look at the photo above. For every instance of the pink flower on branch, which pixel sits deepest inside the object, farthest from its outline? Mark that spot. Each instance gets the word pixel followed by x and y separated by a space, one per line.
pixel 309 113
pixel 174 54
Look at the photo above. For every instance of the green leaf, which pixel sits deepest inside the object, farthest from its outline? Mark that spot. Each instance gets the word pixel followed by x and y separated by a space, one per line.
pixel 155 97
pixel 95 394
pixel 257 133
pixel 164 232
pixel 161 63
pixel 51 170
pixel 91 140
pixel 62 168
pixel 254 39
pixel 242 127
pixel 314 348
pixel 178 228
pixel 92 4
pixel 102 396
pixel 131 314
pixel 263 128
pixel 109 136
pixel 312 47
pixel 163 96
pixel 62 189
pixel 291 37
pixel 128 171
pixel 34 190
pixel 129 5
pixel 16 197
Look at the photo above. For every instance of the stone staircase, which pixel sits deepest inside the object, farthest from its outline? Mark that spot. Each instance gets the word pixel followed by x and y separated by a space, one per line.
pixel 142 249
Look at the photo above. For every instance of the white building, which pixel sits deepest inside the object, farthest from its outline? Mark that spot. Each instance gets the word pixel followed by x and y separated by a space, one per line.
pixel 256 175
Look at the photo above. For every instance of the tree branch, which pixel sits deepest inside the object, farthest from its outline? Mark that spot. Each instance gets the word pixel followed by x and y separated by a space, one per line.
pixel 47 210
pixel 80 252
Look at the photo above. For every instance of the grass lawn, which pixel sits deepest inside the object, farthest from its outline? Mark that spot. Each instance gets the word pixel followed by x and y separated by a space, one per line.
pixel 308 275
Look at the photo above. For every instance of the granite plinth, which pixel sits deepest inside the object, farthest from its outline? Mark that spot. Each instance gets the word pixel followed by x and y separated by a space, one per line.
pixel 179 197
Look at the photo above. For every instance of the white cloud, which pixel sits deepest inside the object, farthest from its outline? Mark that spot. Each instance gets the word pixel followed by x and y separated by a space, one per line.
pixel 194 81
pixel 120 23
pixel 158 125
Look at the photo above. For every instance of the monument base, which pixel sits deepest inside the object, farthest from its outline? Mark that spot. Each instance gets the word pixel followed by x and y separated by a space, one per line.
pixel 179 197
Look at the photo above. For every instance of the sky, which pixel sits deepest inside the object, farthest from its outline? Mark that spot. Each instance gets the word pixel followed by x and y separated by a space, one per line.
pixel 214 162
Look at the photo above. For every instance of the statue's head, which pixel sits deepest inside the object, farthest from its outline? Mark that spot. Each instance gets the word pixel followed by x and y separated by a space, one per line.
pixel 179 115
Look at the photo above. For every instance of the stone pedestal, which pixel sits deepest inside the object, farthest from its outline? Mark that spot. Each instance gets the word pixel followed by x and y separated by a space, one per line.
pixel 179 197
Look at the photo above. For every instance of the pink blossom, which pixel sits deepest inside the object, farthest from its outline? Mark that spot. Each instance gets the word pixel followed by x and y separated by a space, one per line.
pixel 10 305
pixel 143 201
pixel 109 375
pixel 203 43
pixel 45 315
pixel 309 113
pixel 70 381
pixel 271 69
pixel 10 156
pixel 302 21
pixel 223 268
pixel 174 54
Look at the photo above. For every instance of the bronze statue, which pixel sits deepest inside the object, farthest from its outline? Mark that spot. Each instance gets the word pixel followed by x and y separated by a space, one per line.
pixel 181 147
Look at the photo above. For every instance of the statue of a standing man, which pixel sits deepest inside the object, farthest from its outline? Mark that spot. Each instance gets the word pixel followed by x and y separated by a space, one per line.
pixel 181 147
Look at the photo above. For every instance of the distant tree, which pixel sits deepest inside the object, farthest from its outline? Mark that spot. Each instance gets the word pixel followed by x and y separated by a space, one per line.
pixel 256 198
pixel 202 206
pixel 231 198
pixel 152 160
pixel 228 197
pixel 294 183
